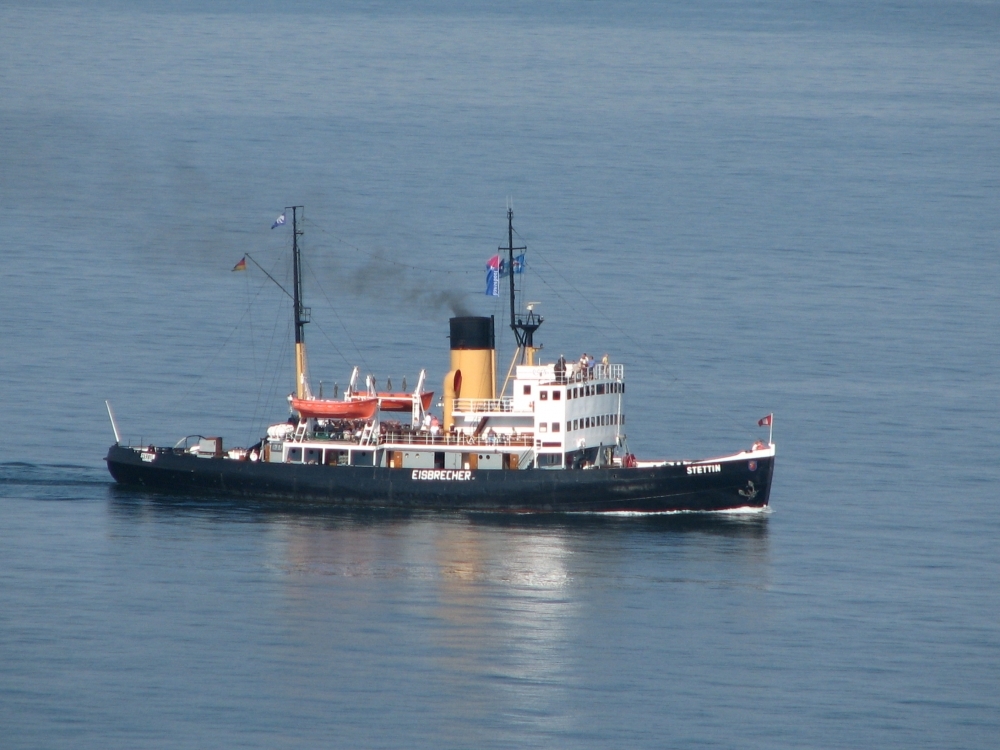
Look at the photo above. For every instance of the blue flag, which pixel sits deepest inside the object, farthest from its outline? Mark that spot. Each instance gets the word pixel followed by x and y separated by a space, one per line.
pixel 492 282
pixel 518 265
pixel 494 269
pixel 278 222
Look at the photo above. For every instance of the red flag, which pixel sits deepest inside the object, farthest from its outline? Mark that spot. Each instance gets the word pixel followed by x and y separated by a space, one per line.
pixel 765 422
pixel 242 265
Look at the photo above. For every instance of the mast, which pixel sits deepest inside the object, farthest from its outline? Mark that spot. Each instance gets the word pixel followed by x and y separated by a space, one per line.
pixel 301 314
pixel 523 328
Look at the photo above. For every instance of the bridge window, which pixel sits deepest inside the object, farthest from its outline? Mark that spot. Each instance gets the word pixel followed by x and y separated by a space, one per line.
pixel 555 427
pixel 527 390
pixel 543 426
pixel 556 395
pixel 543 395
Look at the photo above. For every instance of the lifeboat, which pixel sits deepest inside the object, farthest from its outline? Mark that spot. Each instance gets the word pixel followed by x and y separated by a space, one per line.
pixel 356 408
pixel 403 401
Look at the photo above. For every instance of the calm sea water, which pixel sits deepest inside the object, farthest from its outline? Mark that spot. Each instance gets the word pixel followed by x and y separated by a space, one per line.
pixel 755 206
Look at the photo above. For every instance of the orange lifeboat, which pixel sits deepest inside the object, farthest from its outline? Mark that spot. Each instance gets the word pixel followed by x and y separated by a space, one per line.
pixel 402 401
pixel 357 408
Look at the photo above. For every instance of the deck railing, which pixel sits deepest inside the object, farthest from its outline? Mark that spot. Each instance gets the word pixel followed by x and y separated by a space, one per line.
pixel 483 405
pixel 599 371
pixel 421 438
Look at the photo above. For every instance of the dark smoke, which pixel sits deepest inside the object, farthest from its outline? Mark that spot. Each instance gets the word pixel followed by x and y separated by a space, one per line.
pixel 382 276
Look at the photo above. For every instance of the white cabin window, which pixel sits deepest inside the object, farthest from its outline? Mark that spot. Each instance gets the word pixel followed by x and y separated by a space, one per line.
pixel 527 390
pixel 543 395
pixel 556 395
pixel 555 427
pixel 543 426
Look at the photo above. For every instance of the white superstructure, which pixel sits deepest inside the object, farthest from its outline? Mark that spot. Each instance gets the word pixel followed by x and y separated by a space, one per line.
pixel 557 416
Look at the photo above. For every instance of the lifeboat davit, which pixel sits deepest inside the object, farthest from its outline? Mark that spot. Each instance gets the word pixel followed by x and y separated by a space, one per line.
pixel 357 408
pixel 403 401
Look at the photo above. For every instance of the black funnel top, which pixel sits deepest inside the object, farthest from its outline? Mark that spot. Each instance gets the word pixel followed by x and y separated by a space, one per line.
pixel 472 332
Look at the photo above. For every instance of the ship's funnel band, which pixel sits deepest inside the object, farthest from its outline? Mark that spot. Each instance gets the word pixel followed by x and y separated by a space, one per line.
pixel 472 332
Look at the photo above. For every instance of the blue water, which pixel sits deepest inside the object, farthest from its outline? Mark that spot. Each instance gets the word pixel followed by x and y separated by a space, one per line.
pixel 756 207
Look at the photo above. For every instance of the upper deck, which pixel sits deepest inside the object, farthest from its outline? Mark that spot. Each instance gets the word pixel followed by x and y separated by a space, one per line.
pixel 557 415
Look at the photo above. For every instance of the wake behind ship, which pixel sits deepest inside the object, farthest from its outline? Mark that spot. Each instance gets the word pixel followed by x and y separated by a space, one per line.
pixel 549 437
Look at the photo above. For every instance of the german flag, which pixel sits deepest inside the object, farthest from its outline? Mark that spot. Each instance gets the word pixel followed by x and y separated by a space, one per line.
pixel 242 265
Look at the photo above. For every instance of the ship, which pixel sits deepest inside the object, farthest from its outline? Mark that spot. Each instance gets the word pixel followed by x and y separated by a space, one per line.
pixel 547 438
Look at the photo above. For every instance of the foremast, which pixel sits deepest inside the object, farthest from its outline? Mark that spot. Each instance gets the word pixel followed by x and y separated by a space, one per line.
pixel 301 313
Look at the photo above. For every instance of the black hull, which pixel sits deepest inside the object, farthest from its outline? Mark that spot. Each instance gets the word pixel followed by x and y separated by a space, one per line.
pixel 645 490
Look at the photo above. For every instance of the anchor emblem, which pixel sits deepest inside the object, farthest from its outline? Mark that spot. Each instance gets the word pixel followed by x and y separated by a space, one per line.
pixel 750 492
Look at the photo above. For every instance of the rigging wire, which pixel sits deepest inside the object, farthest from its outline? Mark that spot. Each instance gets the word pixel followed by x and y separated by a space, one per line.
pixel 674 377
pixel 259 375
pixel 333 309
pixel 258 406
pixel 219 350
